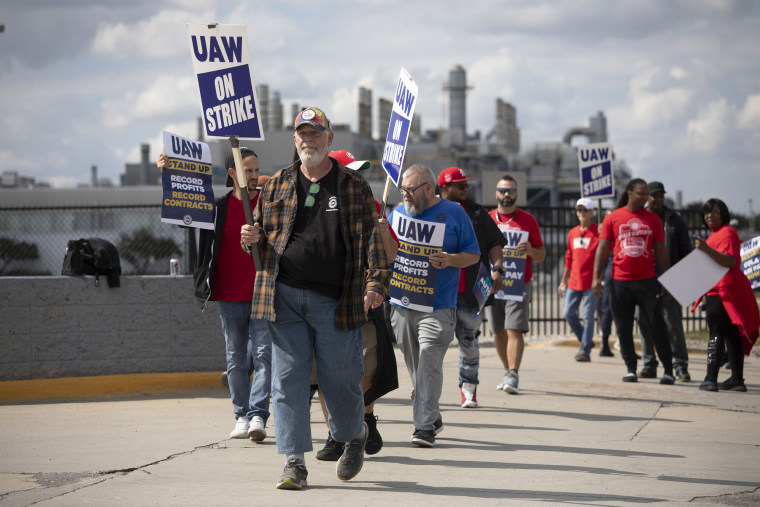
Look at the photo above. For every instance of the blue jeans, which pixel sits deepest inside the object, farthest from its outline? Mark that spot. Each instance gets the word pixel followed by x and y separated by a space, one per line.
pixel 467 331
pixel 304 327
pixel 247 341
pixel 585 332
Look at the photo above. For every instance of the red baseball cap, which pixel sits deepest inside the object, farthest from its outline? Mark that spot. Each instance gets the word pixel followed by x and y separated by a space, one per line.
pixel 346 159
pixel 452 175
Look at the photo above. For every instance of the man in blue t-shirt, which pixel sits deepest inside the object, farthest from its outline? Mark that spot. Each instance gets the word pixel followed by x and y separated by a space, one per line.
pixel 436 240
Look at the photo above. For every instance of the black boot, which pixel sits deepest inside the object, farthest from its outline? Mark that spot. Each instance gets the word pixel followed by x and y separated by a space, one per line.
pixel 332 451
pixel 374 440
pixel 714 361
pixel 735 350
pixel 605 350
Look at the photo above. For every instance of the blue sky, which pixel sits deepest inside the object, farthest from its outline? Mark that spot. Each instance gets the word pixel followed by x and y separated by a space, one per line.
pixel 84 82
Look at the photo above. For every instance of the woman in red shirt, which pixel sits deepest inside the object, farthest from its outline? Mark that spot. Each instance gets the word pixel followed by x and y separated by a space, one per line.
pixel 731 309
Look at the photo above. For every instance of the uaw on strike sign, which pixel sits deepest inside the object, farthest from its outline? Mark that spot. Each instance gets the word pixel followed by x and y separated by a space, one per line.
pixel 595 163
pixel 225 80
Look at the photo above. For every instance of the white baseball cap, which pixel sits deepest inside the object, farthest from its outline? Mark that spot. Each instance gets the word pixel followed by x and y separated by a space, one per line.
pixel 585 202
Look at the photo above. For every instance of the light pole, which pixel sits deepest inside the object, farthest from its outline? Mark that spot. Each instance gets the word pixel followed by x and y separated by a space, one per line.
pixel 751 216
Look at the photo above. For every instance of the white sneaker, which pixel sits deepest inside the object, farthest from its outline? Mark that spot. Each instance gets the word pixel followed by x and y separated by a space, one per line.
pixel 512 380
pixel 256 431
pixel 468 395
pixel 503 382
pixel 241 428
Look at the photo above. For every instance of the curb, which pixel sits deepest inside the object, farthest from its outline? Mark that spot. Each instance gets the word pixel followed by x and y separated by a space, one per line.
pixel 108 386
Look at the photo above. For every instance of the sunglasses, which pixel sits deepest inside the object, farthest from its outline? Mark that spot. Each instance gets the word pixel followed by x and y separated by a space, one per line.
pixel 510 191
pixel 310 200
pixel 411 191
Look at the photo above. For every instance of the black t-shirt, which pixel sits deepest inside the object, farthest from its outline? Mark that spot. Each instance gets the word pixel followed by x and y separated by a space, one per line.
pixel 315 257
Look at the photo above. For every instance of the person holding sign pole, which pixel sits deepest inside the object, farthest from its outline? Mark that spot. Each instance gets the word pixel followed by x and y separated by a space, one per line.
pixel 582 241
pixel 323 267
pixel 638 242
pixel 453 185
pixel 424 334
pixel 509 318
pixel 226 274
pixel 732 313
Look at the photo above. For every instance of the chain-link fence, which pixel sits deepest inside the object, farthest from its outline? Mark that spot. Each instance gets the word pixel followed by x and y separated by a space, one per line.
pixel 33 242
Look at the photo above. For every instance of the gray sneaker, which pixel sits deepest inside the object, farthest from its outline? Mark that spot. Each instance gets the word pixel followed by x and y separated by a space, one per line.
pixel 350 464
pixel 294 475
pixel 500 385
pixel 512 379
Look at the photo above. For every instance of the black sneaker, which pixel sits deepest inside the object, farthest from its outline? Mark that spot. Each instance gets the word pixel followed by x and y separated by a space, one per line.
pixel 630 377
pixel 294 475
pixel 350 464
pixel 374 440
pixel 667 379
pixel 606 352
pixel 731 384
pixel 423 438
pixel 708 386
pixel 332 451
pixel 438 425
pixel 647 372
pixel 682 374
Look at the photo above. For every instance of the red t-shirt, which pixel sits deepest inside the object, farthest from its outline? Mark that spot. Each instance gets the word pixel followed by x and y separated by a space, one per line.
pixel 522 221
pixel 725 240
pixel 579 258
pixel 632 234
pixel 235 272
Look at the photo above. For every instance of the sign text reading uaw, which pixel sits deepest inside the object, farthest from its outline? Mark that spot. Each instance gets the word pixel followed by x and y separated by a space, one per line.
pixel 225 80
pixel 188 197
pixel 595 163
pixel 401 121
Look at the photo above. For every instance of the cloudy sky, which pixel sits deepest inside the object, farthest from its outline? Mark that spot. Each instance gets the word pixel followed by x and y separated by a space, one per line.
pixel 85 82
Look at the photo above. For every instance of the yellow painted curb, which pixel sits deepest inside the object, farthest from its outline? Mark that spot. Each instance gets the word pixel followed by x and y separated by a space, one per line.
pixel 108 386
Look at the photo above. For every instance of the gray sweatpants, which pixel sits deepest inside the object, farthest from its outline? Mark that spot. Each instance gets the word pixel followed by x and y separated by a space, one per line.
pixel 424 339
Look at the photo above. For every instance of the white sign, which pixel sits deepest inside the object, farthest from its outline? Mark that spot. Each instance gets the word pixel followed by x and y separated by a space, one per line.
pixel 225 80
pixel 595 164
pixel 401 122
pixel 692 276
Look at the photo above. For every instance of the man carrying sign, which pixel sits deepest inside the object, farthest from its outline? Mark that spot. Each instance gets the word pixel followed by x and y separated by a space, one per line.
pixel 225 274
pixel 509 318
pixel 424 336
pixel 323 267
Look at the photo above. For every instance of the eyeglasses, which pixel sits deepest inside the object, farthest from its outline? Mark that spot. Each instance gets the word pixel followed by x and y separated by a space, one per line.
pixel 510 191
pixel 461 185
pixel 411 191
pixel 310 200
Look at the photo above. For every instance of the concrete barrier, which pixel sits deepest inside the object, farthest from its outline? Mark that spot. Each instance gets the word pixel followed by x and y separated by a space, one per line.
pixel 59 326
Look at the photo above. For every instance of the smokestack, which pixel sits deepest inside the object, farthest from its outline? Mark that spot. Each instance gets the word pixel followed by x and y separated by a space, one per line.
pixel 94 175
pixel 384 110
pixel 294 110
pixel 201 132
pixel 275 112
pixel 457 88
pixel 365 112
pixel 262 92
pixel 145 164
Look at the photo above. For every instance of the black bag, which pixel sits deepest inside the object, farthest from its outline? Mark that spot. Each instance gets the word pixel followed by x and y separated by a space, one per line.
pixel 92 256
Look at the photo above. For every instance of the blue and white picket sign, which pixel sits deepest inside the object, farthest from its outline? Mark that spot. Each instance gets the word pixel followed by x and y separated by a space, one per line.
pixel 595 163
pixel 222 66
pixel 401 122
pixel 188 197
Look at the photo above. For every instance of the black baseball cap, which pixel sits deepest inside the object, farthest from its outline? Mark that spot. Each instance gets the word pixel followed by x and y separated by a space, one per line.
pixel 230 161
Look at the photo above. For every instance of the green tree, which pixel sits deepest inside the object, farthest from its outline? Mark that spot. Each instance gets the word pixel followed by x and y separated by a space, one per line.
pixel 16 251
pixel 142 249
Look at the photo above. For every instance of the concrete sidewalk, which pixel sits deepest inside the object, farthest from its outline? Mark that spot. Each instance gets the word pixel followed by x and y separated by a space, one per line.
pixel 575 434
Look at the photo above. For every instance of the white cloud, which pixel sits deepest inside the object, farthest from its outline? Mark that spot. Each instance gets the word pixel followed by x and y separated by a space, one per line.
pixel 167 95
pixel 749 116
pixel 678 73
pixel 707 130
pixel 161 36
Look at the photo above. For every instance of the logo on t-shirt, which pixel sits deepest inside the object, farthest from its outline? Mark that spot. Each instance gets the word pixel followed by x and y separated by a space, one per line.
pixel 633 237
pixel 332 203
pixel 581 243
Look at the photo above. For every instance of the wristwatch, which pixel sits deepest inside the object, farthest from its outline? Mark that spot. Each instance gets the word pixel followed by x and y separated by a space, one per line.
pixel 499 270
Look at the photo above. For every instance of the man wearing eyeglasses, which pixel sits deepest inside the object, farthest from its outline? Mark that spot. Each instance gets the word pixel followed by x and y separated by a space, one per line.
pixel 575 285
pixel 323 267
pixel 424 336
pixel 508 318
pixel 454 187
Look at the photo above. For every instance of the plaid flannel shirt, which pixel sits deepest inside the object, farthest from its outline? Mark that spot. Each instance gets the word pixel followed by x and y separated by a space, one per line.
pixel 366 262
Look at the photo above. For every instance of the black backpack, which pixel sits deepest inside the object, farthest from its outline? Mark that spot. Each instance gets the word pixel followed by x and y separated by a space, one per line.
pixel 92 256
